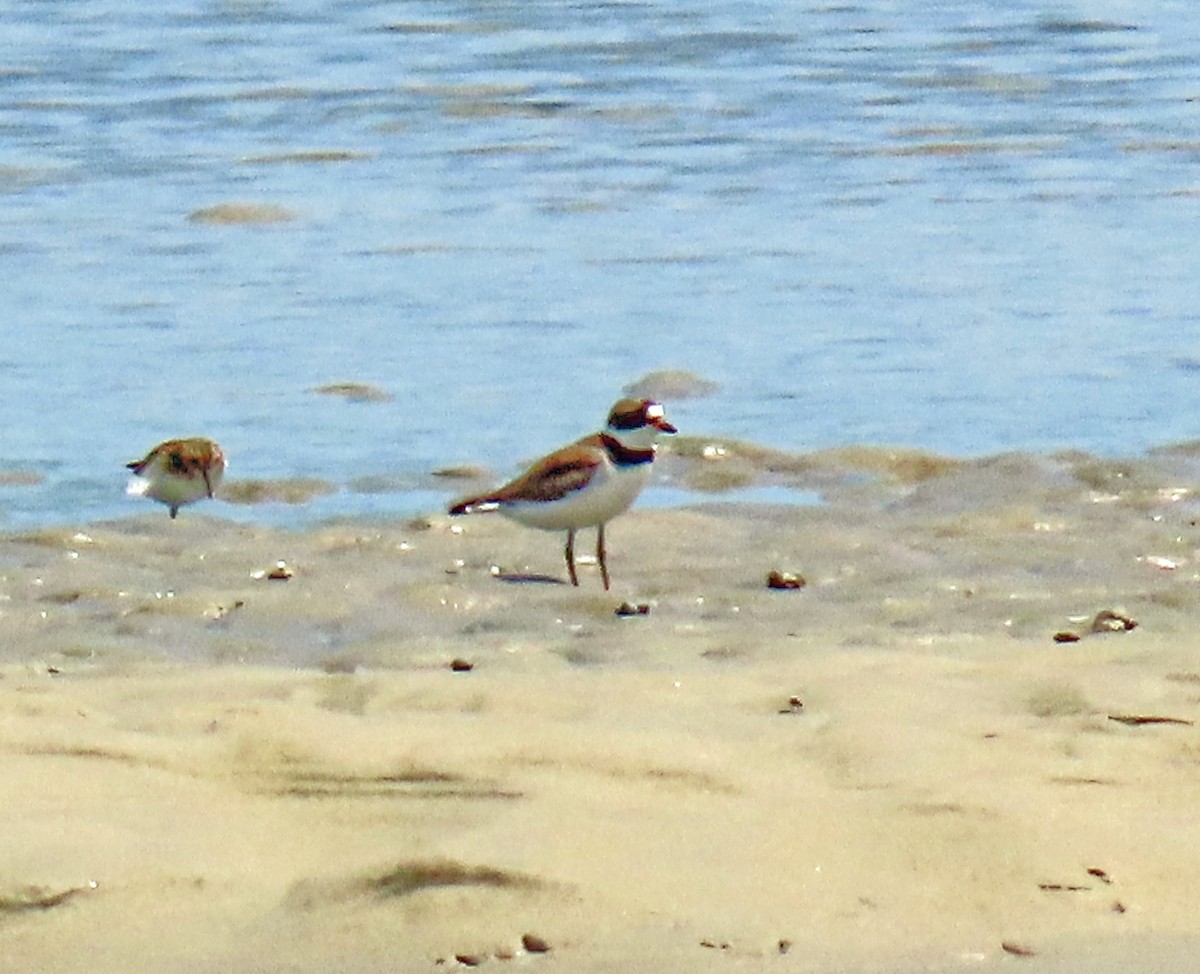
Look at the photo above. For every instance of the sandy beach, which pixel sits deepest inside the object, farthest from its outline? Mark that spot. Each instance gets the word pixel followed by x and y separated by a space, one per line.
pixel 415 746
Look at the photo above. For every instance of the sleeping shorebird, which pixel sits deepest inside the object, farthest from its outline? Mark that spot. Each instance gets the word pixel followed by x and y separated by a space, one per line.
pixel 178 472
pixel 585 484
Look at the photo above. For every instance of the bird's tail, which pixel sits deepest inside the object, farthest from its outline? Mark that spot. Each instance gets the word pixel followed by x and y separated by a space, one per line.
pixel 476 505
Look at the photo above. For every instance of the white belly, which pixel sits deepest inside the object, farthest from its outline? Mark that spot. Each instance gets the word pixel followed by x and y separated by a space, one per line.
pixel 175 489
pixel 611 491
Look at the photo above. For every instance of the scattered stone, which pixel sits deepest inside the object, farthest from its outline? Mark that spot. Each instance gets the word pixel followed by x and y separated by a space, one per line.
pixel 1067 637
pixel 785 581
pixel 460 665
pixel 784 946
pixel 534 944
pixel 794 706
pixel 279 572
pixel 633 609
pixel 1113 620
pixel 1017 950
pixel 469 960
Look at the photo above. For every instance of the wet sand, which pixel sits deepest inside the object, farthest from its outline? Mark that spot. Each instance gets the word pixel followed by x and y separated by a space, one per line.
pixel 894 767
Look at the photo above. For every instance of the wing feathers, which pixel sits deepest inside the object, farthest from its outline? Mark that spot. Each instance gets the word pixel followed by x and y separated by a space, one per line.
pixel 550 479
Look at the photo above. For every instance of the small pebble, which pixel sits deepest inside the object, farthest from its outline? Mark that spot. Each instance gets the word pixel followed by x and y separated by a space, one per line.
pixel 1112 620
pixel 785 581
pixel 794 706
pixel 469 960
pixel 534 944
pixel 459 665
pixel 1066 637
pixel 633 609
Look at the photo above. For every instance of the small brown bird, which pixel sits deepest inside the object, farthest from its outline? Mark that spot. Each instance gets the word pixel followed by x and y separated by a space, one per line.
pixel 585 484
pixel 178 472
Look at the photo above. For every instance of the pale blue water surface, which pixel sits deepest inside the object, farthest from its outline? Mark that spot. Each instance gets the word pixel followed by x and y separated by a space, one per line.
pixel 968 227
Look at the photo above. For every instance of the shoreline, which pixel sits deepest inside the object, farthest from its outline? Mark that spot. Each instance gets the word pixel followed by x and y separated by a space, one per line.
pixel 691 470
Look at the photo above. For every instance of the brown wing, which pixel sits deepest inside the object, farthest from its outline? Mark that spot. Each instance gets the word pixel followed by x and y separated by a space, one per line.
pixel 553 477
pixel 194 453
pixel 549 479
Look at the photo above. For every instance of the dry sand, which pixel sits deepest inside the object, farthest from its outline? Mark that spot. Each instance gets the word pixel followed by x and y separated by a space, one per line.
pixel 205 769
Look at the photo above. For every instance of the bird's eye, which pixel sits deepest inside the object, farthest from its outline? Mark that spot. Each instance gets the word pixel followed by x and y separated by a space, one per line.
pixel 176 461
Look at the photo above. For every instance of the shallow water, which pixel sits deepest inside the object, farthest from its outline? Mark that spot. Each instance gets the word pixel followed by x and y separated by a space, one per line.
pixel 964 228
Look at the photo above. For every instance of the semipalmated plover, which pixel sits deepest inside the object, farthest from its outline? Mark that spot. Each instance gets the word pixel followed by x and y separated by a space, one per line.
pixel 585 484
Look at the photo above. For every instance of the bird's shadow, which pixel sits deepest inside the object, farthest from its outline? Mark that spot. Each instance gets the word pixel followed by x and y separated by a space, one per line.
pixel 528 578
